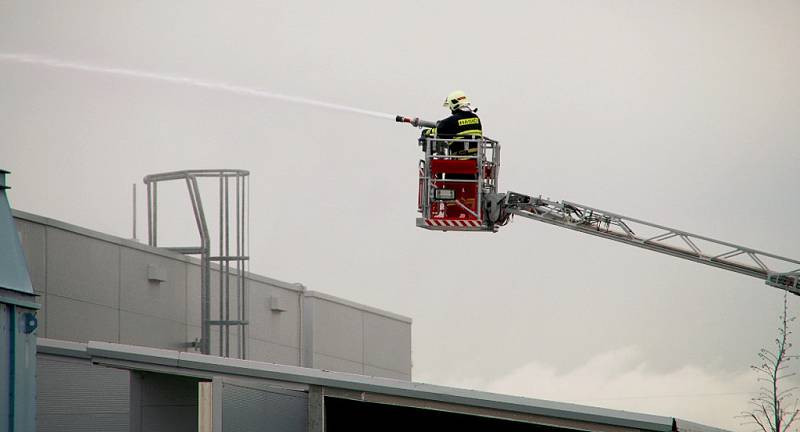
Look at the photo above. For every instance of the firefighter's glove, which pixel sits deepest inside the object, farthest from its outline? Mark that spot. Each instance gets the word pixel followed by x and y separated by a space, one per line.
pixel 423 138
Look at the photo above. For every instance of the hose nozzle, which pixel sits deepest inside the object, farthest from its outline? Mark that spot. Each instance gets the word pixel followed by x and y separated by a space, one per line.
pixel 401 119
pixel 414 121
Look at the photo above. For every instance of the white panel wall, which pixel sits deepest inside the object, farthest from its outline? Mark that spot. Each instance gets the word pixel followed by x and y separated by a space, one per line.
pixel 96 287
pixel 345 336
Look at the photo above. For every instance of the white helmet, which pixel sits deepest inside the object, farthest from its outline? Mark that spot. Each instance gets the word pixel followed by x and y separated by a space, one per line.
pixel 455 100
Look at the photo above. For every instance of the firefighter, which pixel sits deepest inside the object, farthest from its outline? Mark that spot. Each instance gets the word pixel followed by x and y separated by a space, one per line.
pixel 463 123
pixel 460 132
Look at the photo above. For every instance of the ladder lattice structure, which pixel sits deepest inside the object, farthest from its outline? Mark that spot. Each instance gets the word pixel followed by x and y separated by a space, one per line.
pixel 774 270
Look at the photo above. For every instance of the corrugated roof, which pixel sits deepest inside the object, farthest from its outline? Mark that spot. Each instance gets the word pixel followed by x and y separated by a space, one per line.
pixel 134 357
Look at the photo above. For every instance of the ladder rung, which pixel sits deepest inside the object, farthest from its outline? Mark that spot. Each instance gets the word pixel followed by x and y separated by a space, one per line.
pixel 229 258
pixel 227 322
pixel 191 250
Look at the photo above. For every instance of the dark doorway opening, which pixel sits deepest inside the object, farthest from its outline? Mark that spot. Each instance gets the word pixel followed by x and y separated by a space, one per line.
pixel 345 415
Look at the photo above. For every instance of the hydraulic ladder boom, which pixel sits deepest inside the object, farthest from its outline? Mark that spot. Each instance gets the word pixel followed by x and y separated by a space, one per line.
pixel 774 270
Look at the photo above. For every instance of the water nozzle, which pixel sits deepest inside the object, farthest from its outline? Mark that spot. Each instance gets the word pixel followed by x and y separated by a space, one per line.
pixel 415 121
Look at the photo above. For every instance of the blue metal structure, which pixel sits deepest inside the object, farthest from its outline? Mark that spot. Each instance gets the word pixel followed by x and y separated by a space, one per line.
pixel 17 327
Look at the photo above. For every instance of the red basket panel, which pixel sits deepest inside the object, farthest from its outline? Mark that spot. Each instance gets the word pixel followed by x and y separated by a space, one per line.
pixel 454 166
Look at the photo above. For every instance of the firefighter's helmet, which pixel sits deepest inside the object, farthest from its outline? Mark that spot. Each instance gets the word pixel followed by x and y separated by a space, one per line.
pixel 455 100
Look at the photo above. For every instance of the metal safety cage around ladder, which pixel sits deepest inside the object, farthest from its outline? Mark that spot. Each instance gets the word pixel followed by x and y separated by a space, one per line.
pixel 231 258
pixel 453 187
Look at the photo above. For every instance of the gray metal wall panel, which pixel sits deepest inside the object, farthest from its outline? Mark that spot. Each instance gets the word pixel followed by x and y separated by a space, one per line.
pixel 138 329
pixel 193 294
pixel 247 408
pixel 338 331
pixel 82 268
pixel 165 299
pixel 193 333
pixel 80 321
pixel 386 343
pixel 74 395
pixel 273 353
pixel 32 236
pixel 41 314
pixel 272 326
pixel 322 361
pixel 307 337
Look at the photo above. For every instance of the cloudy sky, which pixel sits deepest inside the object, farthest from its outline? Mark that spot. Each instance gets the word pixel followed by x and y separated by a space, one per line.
pixel 685 114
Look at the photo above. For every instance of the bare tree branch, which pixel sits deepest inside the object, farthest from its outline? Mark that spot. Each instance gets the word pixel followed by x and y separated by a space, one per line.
pixel 769 412
pixel 764 428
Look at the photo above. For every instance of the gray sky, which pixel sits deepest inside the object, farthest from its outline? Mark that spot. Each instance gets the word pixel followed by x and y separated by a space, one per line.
pixel 680 113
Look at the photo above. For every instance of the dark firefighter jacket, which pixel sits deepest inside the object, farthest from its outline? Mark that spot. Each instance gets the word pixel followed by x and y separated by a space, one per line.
pixel 462 124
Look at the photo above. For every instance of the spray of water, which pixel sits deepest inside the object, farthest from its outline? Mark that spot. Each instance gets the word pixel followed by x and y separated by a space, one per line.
pixel 247 91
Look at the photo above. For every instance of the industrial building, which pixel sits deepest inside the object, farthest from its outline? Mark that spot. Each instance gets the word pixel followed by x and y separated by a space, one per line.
pixel 117 350
pixel 97 287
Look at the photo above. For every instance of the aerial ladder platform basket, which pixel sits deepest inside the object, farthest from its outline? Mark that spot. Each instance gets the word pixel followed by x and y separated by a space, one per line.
pixel 455 190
